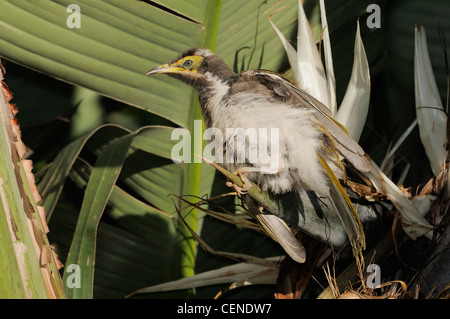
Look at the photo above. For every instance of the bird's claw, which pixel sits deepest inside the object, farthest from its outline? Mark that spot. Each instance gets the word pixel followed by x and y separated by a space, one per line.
pixel 246 184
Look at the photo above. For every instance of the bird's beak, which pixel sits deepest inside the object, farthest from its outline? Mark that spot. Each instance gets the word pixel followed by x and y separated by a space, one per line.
pixel 165 68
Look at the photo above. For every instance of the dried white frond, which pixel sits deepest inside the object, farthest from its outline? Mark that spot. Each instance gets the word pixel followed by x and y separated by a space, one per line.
pixel 353 110
pixel 328 58
pixel 431 116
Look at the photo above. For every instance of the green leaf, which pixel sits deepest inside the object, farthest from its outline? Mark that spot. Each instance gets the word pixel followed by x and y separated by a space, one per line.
pixel 27 264
pixel 156 140
pixel 98 191
pixel 52 183
pixel 112 59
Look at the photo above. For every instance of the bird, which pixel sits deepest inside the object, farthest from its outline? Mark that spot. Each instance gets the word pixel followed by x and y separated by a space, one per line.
pixel 311 145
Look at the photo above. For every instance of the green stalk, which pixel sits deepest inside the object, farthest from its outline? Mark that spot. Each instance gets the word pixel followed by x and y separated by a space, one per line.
pixel 191 182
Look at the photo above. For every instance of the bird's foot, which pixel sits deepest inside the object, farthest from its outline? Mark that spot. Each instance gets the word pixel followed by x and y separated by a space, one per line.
pixel 245 181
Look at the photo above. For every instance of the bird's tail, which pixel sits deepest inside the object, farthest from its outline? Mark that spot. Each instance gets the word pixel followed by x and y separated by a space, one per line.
pixel 344 209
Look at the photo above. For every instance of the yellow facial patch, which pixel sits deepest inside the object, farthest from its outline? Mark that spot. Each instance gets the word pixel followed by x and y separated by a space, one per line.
pixel 189 63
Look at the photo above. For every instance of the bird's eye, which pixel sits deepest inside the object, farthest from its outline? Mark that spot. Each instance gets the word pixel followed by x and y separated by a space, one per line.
pixel 187 63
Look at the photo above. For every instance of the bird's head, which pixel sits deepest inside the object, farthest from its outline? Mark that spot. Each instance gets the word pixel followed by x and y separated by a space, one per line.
pixel 197 67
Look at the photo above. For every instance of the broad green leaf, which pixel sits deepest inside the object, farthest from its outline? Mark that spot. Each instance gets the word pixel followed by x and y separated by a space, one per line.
pixel 127 210
pixel 152 178
pixel 88 114
pixel 52 183
pixel 98 191
pixel 28 267
pixel 196 11
pixel 12 263
pixel 141 225
pixel 245 39
pixel 156 140
pixel 112 59
pixel 130 252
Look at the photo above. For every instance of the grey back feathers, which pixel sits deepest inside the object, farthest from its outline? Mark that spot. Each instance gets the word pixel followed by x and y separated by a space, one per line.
pixel 285 91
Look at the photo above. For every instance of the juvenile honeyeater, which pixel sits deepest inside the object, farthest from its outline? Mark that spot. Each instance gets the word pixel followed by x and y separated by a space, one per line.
pixel 311 144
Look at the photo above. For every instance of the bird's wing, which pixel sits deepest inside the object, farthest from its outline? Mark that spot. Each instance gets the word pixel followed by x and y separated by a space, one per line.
pixel 346 212
pixel 284 90
pixel 278 230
